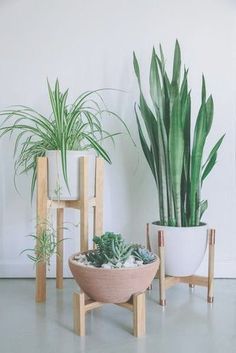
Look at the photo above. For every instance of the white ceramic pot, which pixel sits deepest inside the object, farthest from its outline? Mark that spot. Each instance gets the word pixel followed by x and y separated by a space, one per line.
pixel 56 182
pixel 185 248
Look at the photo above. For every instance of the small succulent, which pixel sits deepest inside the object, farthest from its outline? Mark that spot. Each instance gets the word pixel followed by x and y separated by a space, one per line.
pixel 120 252
pixel 113 250
pixel 95 258
pixel 142 254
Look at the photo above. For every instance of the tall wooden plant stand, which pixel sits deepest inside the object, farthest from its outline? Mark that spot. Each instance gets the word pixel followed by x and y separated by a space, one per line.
pixel 44 204
pixel 82 304
pixel 166 282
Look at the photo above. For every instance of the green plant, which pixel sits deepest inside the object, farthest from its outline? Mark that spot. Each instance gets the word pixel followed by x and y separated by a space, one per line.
pixel 142 254
pixel 174 156
pixel 75 126
pixel 46 244
pixel 112 248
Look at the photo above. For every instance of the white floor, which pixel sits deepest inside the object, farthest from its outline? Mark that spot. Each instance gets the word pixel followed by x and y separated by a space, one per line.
pixel 188 324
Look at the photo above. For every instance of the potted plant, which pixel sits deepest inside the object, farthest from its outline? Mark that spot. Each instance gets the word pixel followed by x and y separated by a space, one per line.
pixel 115 270
pixel 69 132
pixel 175 157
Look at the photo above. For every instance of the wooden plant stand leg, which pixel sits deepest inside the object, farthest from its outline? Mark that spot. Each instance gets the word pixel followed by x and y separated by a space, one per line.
pixel 98 208
pixel 211 240
pixel 40 294
pixel 166 282
pixel 84 204
pixel 79 313
pixel 148 246
pixel 162 285
pixel 59 258
pixel 81 306
pixel 139 315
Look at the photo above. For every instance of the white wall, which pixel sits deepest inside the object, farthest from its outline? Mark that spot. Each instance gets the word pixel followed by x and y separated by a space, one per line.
pixel 88 45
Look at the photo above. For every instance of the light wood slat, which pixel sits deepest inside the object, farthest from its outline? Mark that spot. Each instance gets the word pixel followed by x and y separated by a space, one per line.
pixel 171 281
pixel 91 304
pixel 79 313
pixel 40 295
pixel 127 305
pixel 59 258
pixel 139 315
pixel 161 247
pixel 195 280
pixel 211 259
pixel 98 209
pixel 76 204
pixel 84 204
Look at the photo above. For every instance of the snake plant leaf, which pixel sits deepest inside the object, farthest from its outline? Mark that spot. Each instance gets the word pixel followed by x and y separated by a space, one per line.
pixel 176 153
pixel 155 84
pixel 211 160
pixel 146 150
pixel 154 133
pixel 202 128
pixel 136 69
pixel 202 208
pixel 209 115
pixel 196 159
pixel 176 65
pixel 203 89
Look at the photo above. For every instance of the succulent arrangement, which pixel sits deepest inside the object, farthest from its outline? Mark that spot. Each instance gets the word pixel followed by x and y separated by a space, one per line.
pixel 112 251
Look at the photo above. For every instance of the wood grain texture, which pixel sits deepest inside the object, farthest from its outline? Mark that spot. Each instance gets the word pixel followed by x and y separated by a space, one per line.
pixel 211 260
pixel 83 204
pixel 161 249
pixel 79 313
pixel 59 258
pixel 98 209
pixel 139 314
pixel 41 209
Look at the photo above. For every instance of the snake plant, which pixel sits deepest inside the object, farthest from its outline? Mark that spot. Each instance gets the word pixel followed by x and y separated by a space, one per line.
pixel 175 157
pixel 76 126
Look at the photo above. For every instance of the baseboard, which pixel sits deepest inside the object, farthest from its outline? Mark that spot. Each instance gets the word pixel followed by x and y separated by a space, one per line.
pixel 223 269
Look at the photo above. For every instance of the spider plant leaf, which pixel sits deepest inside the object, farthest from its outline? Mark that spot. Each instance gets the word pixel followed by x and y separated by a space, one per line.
pixel 98 148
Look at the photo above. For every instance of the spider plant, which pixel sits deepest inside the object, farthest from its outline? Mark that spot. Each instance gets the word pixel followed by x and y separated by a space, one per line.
pixel 46 244
pixel 75 126
pixel 175 157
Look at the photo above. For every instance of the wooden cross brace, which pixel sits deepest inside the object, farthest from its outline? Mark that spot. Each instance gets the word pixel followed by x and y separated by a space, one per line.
pixel 81 305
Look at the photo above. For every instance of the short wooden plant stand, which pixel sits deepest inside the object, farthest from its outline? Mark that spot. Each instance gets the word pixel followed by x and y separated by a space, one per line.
pixel 82 304
pixel 166 282
pixel 44 204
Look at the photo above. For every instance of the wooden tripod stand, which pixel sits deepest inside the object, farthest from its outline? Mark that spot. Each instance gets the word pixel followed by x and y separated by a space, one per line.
pixel 166 282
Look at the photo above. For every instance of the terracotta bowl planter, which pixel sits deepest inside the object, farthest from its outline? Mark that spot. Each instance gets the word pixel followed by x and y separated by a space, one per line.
pixel 113 285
